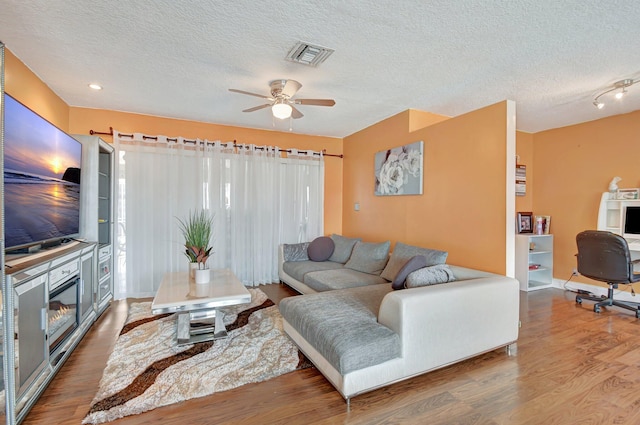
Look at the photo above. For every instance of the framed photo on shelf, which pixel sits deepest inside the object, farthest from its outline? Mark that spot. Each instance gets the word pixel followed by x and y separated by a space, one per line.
pixel 525 224
pixel 543 223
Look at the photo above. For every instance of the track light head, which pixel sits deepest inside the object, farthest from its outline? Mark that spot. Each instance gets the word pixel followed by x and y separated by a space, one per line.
pixel 621 85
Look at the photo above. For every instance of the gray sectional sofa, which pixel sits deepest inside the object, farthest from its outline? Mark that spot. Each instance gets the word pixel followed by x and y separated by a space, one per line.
pixel 362 334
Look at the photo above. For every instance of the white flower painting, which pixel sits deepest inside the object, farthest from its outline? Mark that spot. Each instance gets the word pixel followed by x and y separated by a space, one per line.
pixel 399 170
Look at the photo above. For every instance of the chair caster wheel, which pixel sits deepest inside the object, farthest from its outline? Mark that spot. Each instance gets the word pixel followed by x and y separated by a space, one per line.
pixel 596 309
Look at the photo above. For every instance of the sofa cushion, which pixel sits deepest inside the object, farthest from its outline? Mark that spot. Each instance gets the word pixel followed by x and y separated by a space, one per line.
pixel 328 280
pixel 320 249
pixel 343 248
pixel 342 326
pixel 415 263
pixel 440 273
pixel 295 251
pixel 298 269
pixel 369 257
pixel 402 253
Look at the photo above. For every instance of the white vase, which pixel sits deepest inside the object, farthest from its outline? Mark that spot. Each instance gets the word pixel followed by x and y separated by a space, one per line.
pixel 203 275
pixel 192 270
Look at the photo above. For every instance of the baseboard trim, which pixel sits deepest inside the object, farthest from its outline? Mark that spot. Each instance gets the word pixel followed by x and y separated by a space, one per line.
pixel 623 293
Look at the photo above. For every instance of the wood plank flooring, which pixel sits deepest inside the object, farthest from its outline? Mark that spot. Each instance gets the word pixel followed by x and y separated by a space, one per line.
pixel 572 366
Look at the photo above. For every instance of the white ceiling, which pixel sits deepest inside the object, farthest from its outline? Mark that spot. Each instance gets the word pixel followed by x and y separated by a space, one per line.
pixel 177 58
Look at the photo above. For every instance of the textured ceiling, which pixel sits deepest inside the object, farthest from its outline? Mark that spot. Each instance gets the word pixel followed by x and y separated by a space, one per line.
pixel 178 58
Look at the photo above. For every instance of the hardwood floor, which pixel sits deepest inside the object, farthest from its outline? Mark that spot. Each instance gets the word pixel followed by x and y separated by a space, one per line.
pixel 572 366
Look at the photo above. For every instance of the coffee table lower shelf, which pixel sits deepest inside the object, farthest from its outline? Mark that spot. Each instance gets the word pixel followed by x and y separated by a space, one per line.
pixel 200 326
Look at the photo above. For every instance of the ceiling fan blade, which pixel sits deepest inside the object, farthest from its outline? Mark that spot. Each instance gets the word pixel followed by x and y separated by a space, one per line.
pixel 316 102
pixel 249 93
pixel 295 113
pixel 291 87
pixel 255 108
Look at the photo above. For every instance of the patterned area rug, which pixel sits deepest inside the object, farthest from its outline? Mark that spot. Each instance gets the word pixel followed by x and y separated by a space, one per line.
pixel 147 370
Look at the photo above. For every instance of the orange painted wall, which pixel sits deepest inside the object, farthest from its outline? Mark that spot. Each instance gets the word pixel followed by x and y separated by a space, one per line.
pixel 462 210
pixel 26 87
pixel 524 149
pixel 421 119
pixel 573 166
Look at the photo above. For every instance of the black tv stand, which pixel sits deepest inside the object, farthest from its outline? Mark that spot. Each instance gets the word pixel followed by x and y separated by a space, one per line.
pixel 53 244
pixel 28 250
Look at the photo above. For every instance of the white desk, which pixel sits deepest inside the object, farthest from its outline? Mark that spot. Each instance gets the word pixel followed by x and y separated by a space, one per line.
pixel 634 244
pixel 198 303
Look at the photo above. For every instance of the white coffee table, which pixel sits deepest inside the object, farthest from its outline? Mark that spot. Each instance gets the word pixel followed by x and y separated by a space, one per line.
pixel 197 304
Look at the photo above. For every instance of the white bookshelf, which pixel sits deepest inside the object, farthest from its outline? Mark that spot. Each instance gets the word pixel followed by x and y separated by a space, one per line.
pixel 534 261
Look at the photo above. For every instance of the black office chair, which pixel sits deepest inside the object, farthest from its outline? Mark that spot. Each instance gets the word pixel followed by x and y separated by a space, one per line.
pixel 605 256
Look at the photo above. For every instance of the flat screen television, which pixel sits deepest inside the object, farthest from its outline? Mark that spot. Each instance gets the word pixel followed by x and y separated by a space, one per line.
pixel 41 179
pixel 631 223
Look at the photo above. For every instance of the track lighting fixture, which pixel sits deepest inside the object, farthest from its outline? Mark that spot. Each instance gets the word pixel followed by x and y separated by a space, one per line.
pixel 620 86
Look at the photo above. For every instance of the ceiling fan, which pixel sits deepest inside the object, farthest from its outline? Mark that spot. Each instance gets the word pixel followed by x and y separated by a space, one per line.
pixel 281 100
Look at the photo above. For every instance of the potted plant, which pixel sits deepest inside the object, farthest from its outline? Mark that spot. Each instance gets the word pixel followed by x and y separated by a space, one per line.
pixel 197 229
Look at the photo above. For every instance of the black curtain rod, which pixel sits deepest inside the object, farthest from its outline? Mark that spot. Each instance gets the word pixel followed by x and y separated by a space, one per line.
pixel 235 145
pixel 110 133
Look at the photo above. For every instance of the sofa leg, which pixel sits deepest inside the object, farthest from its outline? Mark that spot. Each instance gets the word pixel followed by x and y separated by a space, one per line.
pixel 512 349
pixel 348 400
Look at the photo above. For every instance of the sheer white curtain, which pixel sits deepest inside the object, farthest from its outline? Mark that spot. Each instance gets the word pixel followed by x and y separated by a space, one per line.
pixel 258 200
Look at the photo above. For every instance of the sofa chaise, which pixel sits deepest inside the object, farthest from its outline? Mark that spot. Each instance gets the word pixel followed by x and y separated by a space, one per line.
pixel 361 334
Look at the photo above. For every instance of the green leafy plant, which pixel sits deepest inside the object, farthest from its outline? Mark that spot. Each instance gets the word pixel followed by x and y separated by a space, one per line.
pixel 197 229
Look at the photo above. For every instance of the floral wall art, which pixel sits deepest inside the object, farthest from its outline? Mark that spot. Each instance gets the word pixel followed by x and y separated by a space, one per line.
pixel 399 170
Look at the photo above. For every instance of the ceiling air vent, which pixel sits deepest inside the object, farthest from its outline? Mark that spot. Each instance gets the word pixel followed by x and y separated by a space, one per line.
pixel 308 54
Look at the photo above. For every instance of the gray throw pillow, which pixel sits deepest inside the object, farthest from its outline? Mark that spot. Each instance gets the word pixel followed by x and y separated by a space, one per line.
pixel 320 249
pixel 369 257
pixel 415 263
pixel 402 253
pixel 343 248
pixel 440 273
pixel 295 251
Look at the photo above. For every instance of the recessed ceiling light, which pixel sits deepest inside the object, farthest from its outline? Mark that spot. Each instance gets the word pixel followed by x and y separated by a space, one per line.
pixel 95 86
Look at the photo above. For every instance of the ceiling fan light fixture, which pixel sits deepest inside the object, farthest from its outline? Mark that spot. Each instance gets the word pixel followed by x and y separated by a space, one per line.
pixel 282 99
pixel 281 110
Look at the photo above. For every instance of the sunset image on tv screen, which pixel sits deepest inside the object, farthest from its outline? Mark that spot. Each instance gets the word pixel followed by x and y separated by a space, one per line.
pixel 41 178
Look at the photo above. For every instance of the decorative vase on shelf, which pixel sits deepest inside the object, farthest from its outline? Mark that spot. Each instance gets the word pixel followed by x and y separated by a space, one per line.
pixel 613 187
pixel 203 276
